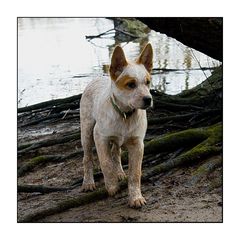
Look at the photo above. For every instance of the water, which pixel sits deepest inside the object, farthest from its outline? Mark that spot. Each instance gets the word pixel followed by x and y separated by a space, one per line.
pixel 55 60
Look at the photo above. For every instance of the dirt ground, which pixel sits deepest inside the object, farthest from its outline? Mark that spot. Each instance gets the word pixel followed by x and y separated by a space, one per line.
pixel 168 200
pixel 170 197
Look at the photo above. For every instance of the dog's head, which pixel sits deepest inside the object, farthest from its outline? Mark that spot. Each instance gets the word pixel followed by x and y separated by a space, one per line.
pixel 131 80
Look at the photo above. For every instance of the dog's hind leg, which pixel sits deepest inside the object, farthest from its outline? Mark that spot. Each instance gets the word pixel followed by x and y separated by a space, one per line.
pixel 87 125
pixel 116 157
pixel 104 154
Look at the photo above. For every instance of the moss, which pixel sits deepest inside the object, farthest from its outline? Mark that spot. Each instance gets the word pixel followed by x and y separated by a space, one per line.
pixel 24 145
pixel 28 166
pixel 134 27
pixel 205 140
pixel 215 135
pixel 87 198
pixel 173 141
pixel 205 169
pixel 205 148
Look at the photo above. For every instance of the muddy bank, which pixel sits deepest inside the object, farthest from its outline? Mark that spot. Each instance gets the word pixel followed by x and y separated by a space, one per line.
pixel 182 166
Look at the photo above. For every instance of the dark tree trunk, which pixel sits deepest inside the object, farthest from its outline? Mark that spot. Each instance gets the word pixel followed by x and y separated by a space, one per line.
pixel 204 34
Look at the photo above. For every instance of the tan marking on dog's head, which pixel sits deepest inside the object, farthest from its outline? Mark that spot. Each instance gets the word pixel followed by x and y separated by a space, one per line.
pixel 126 82
pixel 118 63
pixel 146 57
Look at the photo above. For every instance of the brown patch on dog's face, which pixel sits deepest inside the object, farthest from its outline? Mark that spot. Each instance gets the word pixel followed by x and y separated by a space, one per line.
pixel 126 83
pixel 130 83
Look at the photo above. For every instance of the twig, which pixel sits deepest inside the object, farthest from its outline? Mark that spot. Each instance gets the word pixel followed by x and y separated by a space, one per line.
pixel 99 35
pixel 182 69
pixel 126 33
pixel 65 114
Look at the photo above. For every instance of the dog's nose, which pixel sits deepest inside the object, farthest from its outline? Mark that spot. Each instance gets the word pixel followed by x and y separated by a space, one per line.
pixel 147 100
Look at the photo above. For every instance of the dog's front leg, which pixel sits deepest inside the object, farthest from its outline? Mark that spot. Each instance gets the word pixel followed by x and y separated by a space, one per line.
pixel 135 154
pixel 106 163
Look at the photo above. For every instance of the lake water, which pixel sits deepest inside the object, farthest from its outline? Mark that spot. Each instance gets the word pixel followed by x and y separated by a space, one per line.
pixel 55 60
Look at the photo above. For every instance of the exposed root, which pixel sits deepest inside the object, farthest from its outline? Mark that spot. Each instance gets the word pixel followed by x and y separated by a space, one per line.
pixel 50 103
pixel 205 169
pixel 207 147
pixel 41 160
pixel 97 195
pixel 39 188
pixel 50 142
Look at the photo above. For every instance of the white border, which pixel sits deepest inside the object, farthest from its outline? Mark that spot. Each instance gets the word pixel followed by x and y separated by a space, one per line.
pixel 10 10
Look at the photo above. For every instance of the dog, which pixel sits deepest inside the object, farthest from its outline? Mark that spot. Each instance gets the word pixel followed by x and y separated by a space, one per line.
pixel 113 115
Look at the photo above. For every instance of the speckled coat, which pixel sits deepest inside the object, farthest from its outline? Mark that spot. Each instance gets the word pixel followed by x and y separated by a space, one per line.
pixel 102 124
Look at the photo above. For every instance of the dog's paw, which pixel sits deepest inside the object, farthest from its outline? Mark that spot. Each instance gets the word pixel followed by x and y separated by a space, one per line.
pixel 88 187
pixel 137 202
pixel 121 176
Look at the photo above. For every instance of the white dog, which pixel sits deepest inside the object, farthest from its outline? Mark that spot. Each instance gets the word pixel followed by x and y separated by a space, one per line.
pixel 113 115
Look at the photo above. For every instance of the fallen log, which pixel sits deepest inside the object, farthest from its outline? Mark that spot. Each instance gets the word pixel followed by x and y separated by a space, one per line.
pixel 202 33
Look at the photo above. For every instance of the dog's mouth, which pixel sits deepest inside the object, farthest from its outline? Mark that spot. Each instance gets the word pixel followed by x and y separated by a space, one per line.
pixel 145 107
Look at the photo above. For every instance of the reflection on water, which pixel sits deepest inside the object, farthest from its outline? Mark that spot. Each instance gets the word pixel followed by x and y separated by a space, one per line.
pixel 56 60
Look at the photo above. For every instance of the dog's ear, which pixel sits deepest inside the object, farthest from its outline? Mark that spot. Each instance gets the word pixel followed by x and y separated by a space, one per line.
pixel 146 57
pixel 118 63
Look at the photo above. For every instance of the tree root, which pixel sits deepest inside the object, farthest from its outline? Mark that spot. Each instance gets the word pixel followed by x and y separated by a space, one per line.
pixel 40 188
pixel 29 165
pixel 174 106
pixel 26 147
pixel 50 103
pixel 205 169
pixel 183 117
pixel 207 140
pixel 190 157
pixel 97 195
pixel 176 140
pixel 168 142
pixel 40 160
pixel 184 138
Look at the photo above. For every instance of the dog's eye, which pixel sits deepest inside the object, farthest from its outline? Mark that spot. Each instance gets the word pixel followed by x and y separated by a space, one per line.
pixel 148 82
pixel 131 85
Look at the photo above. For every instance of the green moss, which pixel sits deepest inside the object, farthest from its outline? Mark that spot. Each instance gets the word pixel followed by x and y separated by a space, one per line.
pixel 173 141
pixel 134 27
pixel 23 146
pixel 87 198
pixel 205 169
pixel 206 137
pixel 29 165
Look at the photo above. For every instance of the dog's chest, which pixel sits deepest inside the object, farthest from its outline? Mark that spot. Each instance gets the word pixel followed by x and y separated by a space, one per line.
pixel 120 130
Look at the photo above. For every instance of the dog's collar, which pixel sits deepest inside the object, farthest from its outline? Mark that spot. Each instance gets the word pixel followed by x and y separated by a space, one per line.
pixel 123 114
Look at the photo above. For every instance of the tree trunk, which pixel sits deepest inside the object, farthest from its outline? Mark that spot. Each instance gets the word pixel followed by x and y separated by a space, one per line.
pixel 204 34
